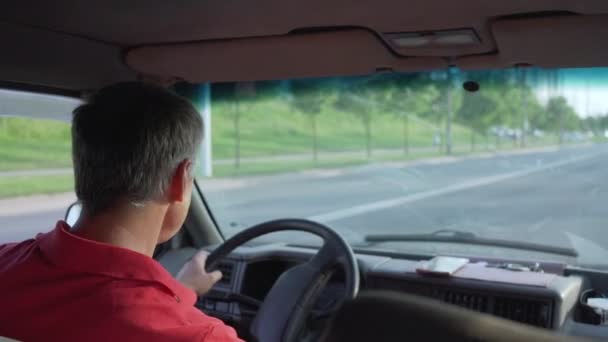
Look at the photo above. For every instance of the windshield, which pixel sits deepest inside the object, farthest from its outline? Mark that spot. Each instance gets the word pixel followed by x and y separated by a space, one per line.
pixel 515 154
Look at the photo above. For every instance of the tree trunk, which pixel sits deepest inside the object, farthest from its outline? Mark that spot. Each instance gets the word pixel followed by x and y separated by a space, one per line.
pixel 524 112
pixel 406 135
pixel 497 142
pixel 237 136
pixel 368 138
pixel 487 138
pixel 560 130
pixel 448 127
pixel 472 140
pixel 315 147
pixel 439 139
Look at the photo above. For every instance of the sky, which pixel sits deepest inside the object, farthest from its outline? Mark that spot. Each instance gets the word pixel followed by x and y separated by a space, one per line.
pixel 585 89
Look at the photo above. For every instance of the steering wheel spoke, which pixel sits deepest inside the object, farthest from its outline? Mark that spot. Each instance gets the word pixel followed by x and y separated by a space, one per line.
pixel 325 259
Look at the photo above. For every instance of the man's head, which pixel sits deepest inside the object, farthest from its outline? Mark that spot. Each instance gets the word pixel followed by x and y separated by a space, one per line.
pixel 134 144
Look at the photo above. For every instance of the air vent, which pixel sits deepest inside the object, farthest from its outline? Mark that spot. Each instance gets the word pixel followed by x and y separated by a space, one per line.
pixel 470 301
pixel 537 312
pixel 463 298
pixel 527 311
pixel 227 268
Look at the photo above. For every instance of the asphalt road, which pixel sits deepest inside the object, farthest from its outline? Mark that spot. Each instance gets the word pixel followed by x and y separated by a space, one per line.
pixel 556 198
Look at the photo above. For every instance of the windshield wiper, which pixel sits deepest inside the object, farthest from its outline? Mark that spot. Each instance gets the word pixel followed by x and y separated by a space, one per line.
pixel 462 237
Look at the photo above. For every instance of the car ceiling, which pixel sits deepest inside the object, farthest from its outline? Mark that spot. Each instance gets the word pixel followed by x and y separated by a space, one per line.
pixel 76 45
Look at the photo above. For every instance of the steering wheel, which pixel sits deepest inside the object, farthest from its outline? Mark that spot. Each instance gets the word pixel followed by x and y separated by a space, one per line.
pixel 283 313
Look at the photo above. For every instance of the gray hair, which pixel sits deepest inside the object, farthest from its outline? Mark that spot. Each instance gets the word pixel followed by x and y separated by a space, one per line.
pixel 127 141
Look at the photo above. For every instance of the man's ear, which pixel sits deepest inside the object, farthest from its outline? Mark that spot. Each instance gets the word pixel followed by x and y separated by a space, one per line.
pixel 178 187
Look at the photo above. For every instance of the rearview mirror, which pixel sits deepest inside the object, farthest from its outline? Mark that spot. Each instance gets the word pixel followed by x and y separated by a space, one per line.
pixel 73 213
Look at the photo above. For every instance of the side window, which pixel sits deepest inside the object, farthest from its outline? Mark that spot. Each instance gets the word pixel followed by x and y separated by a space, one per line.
pixel 36 178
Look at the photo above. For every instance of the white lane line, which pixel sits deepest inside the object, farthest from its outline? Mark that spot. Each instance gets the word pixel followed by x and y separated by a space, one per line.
pixel 397 201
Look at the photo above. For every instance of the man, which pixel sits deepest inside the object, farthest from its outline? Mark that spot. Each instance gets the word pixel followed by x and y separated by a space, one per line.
pixel 133 146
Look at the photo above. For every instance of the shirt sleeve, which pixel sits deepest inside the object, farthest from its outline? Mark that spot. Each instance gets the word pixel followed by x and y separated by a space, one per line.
pixel 221 333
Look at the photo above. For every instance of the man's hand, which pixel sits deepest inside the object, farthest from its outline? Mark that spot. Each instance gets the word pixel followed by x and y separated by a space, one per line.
pixel 194 276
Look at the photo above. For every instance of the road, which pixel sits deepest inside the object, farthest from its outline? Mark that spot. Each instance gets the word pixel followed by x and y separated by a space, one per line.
pixel 556 198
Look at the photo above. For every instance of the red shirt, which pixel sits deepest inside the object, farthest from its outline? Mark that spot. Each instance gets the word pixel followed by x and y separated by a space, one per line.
pixel 60 287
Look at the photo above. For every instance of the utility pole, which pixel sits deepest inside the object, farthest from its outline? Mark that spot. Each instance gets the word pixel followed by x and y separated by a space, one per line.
pixel 206 150
pixel 448 126
pixel 523 104
pixel 237 134
pixel 406 134
pixel 557 89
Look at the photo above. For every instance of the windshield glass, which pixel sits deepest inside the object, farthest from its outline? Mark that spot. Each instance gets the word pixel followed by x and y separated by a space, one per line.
pixel 513 155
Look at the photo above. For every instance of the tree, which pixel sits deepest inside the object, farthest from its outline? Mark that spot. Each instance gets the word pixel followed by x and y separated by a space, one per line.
pixel 596 124
pixel 444 103
pixel 308 98
pixel 561 116
pixel 357 99
pixel 477 111
pixel 409 99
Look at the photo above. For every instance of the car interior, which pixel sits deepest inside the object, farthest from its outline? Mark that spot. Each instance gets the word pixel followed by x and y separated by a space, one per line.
pixel 289 291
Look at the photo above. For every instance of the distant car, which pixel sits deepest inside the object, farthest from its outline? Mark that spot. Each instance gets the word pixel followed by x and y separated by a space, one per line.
pixel 574 136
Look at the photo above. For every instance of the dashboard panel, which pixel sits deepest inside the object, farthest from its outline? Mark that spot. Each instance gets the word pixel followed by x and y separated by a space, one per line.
pixel 250 271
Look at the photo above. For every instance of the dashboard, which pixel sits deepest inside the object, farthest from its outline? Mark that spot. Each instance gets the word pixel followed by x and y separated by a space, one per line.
pixel 250 272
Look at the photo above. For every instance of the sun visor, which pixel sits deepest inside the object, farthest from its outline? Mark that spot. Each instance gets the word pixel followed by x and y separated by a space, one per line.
pixel 333 53
pixel 37 57
pixel 565 41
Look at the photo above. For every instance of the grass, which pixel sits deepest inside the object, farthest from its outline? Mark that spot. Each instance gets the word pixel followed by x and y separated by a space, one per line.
pixel 27 144
pixel 272 127
pixel 268 127
pixel 29 185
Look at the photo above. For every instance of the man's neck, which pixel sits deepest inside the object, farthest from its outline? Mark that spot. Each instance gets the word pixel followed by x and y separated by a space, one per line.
pixel 137 229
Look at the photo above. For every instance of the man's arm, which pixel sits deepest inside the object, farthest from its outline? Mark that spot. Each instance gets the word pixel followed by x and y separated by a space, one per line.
pixel 194 276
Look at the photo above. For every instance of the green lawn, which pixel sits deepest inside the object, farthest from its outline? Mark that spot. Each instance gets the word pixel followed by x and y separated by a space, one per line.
pixel 28 185
pixel 269 127
pixel 272 127
pixel 27 144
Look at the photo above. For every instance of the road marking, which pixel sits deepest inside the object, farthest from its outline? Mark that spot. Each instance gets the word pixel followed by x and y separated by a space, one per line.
pixel 539 225
pixel 401 200
pixel 391 181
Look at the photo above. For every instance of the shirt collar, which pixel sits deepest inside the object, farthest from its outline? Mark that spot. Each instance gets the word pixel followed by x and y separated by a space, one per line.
pixel 70 251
